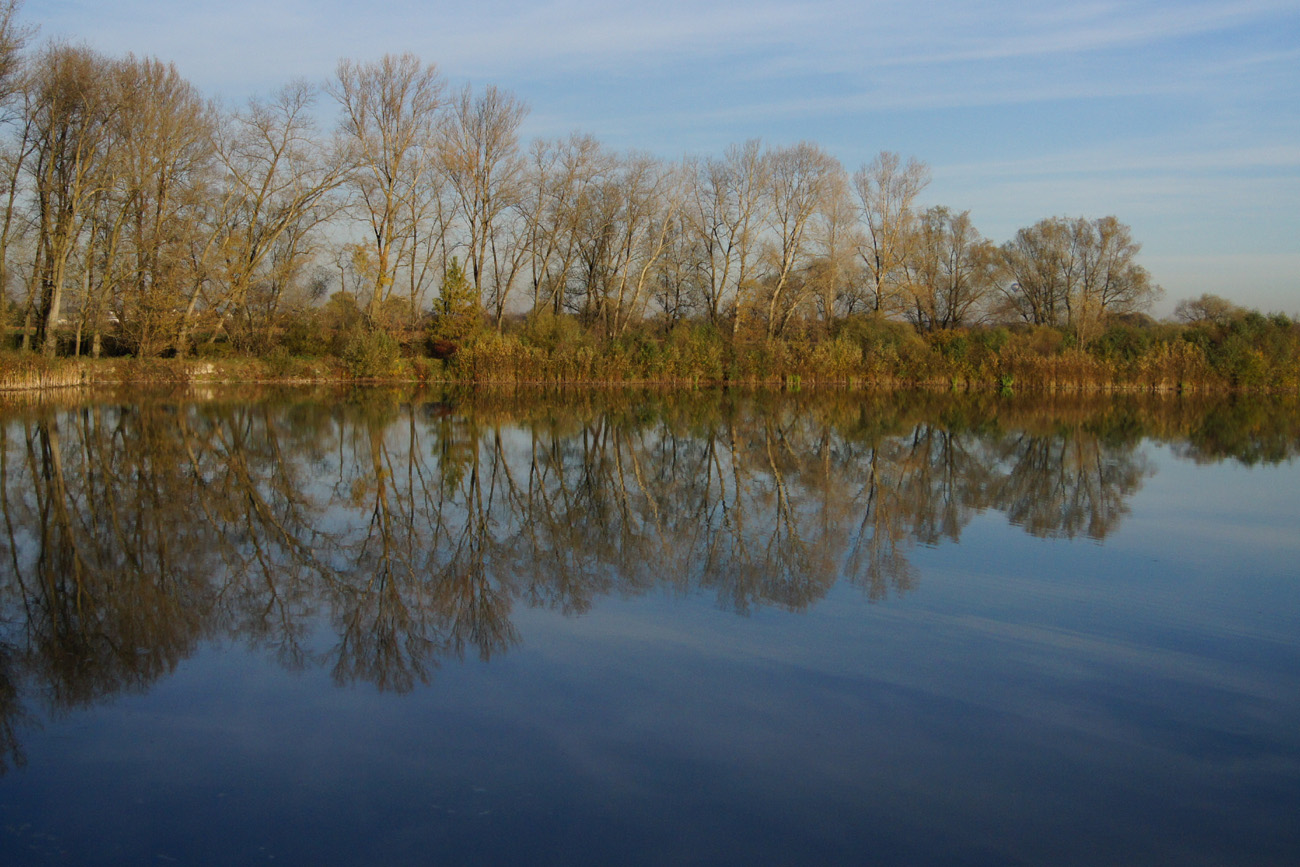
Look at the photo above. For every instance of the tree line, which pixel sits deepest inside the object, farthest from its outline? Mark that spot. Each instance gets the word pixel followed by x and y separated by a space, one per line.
pixel 142 218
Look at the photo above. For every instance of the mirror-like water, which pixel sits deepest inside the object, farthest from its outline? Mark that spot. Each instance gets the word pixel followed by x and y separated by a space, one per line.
pixel 378 628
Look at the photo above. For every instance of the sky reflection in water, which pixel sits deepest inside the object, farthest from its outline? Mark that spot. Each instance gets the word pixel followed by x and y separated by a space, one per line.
pixel 646 630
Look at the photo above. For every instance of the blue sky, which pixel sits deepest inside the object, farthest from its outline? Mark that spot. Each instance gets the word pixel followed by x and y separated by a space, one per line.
pixel 1181 118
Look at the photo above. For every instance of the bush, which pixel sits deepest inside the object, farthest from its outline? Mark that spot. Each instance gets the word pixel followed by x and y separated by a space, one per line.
pixel 1122 343
pixel 305 333
pixel 280 362
pixel 371 354
pixel 553 333
pixel 1041 340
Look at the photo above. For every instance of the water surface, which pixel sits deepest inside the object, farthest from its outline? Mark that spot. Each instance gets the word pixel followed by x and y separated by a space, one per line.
pixel 631 628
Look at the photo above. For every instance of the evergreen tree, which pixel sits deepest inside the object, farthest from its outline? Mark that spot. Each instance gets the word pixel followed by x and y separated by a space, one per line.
pixel 456 312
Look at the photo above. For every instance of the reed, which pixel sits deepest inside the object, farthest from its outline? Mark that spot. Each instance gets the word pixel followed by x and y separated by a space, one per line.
pixel 31 372
pixel 1252 354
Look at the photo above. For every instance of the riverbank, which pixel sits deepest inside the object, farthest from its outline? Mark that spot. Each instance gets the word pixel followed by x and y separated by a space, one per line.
pixel 1255 354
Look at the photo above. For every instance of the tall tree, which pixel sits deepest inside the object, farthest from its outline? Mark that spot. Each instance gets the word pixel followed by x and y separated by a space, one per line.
pixel 162 160
pixel 13 38
pixel 838 238
pixel 1038 271
pixel 14 151
pixel 887 191
pixel 389 113
pixel 481 158
pixel 727 206
pixel 623 234
pixel 1110 280
pixel 1073 272
pixel 803 181
pixel 277 179
pixel 72 114
pixel 564 179
pixel 953 271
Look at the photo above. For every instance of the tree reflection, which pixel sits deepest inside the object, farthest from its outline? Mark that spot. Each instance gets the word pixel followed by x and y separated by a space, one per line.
pixel 382 534
pixel 1068 484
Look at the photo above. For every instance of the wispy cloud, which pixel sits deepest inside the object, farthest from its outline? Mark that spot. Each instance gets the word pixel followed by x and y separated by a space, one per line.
pixel 981 32
pixel 1155 159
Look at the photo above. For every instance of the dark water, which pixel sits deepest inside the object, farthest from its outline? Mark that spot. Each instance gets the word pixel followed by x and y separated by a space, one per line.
pixel 387 629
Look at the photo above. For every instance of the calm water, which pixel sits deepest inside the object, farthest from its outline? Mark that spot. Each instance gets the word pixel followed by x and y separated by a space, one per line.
pixel 381 628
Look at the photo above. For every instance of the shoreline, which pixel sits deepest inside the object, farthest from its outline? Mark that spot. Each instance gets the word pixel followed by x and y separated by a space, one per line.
pixel 34 374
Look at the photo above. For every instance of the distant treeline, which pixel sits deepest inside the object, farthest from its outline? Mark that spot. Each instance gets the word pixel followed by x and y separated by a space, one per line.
pixel 420 237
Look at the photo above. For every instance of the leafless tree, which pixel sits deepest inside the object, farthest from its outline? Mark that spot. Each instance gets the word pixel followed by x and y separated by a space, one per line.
pixel 623 232
pixel 481 159
pixel 1072 272
pixel 563 178
pixel 727 206
pixel 278 178
pixel 162 157
pixel 72 114
pixel 802 182
pixel 14 114
pixel 887 191
pixel 389 112
pixel 953 271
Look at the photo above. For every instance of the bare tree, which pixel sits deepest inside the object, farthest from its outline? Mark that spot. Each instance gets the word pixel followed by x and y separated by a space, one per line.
pixel 564 177
pixel 162 157
pixel 1037 271
pixel 677 291
pixel 1073 272
pixel 13 105
pixel 953 271
pixel 14 153
pixel 1110 281
pixel 887 192
pixel 727 206
pixel 481 160
pixel 802 182
pixel 72 114
pixel 430 214
pixel 390 110
pixel 13 39
pixel 278 177
pixel 624 233
pixel 655 202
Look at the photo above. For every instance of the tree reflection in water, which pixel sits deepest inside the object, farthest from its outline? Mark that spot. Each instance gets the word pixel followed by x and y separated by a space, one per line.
pixel 408 528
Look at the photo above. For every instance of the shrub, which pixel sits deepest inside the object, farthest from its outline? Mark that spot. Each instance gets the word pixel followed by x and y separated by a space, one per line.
pixel 305 333
pixel 280 362
pixel 371 354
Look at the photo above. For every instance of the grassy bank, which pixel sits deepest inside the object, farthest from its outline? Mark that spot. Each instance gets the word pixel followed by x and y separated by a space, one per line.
pixel 1251 353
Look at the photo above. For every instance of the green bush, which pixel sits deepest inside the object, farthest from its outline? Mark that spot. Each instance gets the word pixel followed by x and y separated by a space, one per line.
pixel 280 363
pixel 371 354
pixel 1122 343
pixel 554 333
pixel 305 333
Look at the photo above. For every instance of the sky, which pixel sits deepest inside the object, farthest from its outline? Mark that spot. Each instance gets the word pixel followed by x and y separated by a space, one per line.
pixel 1180 117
